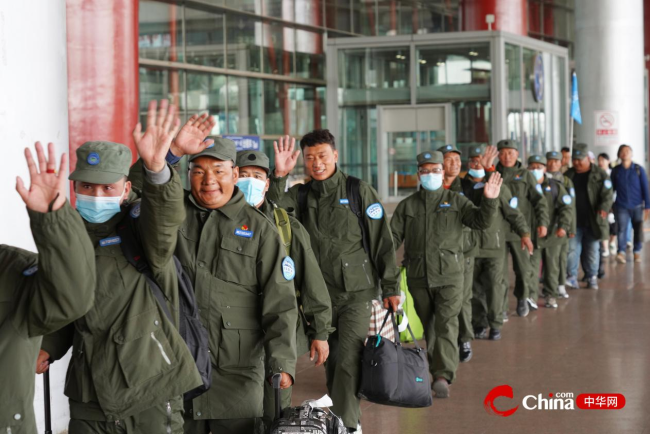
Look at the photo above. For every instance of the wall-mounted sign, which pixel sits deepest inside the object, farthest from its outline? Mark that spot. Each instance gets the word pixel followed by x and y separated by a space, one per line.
pixel 538 78
pixel 607 128
pixel 245 143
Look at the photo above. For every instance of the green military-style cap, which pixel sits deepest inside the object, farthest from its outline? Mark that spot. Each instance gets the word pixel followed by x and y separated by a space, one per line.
pixel 537 159
pixel 253 158
pixel 553 155
pixel 101 163
pixel 475 151
pixel 222 149
pixel 507 144
pixel 430 157
pixel 449 148
pixel 580 151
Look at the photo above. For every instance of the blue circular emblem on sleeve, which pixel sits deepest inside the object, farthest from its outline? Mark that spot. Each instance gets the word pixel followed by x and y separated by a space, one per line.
pixel 31 270
pixel 566 199
pixel 135 210
pixel 93 159
pixel 608 184
pixel 375 211
pixel 514 202
pixel 538 187
pixel 288 268
pixel 572 192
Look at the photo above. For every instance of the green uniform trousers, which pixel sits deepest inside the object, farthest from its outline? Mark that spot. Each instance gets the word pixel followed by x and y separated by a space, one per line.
pixel 525 278
pixel 465 329
pixel 438 309
pixel 164 419
pixel 549 257
pixel 487 300
pixel 564 257
pixel 343 366
pixel 222 426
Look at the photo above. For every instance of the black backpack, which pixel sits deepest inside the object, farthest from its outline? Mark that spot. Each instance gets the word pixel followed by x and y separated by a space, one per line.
pixel 190 327
pixel 352 190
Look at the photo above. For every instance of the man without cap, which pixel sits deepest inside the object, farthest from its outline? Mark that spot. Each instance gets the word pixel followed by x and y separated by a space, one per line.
pixel 488 288
pixel 243 280
pixel 548 248
pixel 357 264
pixel 566 159
pixel 40 293
pixel 593 201
pixel 314 305
pixel 430 223
pixel 529 201
pixel 553 170
pixel 451 181
pixel 129 364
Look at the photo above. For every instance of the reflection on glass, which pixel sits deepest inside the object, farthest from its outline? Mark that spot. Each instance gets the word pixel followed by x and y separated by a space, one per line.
pixel 279 9
pixel 309 12
pixel 310 59
pixel 161 84
pixel 403 149
pixel 207 92
pixel 276 107
pixel 278 49
pixel 245 106
pixel 204 37
pixel 374 75
pixel 160 28
pixel 244 37
pixel 364 18
pixel 337 15
pixel 534 119
pixel 513 101
pixel 305 109
pixel 252 6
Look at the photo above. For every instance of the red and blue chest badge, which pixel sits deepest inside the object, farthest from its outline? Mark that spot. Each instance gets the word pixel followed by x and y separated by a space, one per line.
pixel 244 232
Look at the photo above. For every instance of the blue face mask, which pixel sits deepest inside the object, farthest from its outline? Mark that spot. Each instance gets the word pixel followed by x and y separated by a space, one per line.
pixel 253 190
pixel 98 209
pixel 477 173
pixel 538 174
pixel 432 181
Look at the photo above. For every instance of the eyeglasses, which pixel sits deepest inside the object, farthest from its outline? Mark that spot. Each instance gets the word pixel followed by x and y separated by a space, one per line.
pixel 427 172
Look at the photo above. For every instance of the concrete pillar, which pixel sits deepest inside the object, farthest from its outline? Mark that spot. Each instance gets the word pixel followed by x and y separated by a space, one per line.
pixel 610 67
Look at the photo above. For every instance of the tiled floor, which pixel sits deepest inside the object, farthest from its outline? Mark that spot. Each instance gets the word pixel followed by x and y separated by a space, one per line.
pixel 595 342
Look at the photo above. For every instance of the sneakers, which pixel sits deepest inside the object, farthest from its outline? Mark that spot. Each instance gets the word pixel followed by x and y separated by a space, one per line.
pixel 620 258
pixel 572 282
pixel 441 388
pixel 637 257
pixel 612 249
pixel 551 303
pixel 495 334
pixel 532 303
pixel 605 253
pixel 592 283
pixel 630 245
pixel 562 291
pixel 465 352
pixel 505 316
pixel 480 333
pixel 522 307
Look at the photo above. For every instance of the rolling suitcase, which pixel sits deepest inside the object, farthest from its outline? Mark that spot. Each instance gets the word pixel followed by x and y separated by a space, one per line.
pixel 304 418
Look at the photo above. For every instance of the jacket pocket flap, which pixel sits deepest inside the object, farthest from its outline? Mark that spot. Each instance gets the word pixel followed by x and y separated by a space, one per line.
pixel 241 319
pixel 138 326
pixel 242 246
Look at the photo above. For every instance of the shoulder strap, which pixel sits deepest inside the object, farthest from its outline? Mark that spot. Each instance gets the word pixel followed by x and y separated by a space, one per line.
pixel 132 250
pixel 303 191
pixel 353 192
pixel 284 227
pixel 638 170
pixel 555 189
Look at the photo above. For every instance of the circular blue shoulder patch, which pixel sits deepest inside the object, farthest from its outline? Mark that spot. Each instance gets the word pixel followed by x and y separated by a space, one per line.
pixel 514 202
pixel 538 187
pixel 288 268
pixel 608 184
pixel 566 199
pixel 30 271
pixel 93 159
pixel 135 210
pixel 375 211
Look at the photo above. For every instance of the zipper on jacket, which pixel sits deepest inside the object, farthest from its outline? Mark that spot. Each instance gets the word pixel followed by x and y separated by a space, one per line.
pixel 169 417
pixel 366 273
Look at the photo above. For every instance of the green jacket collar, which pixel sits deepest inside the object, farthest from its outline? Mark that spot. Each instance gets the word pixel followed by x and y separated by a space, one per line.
pixel 330 185
pixel 508 170
pixel 267 209
pixel 429 196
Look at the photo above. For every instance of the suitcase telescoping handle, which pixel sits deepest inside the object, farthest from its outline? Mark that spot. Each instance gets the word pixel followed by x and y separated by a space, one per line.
pixel 46 396
pixel 276 379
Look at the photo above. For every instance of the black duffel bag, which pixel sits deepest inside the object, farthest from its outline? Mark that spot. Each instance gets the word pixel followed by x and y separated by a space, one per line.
pixel 394 375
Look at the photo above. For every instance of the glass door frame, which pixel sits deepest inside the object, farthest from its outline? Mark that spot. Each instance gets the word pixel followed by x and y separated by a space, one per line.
pixel 382 146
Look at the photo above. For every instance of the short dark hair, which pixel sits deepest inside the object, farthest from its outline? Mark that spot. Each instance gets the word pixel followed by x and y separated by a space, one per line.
pixel 604 155
pixel 566 149
pixel 620 148
pixel 317 137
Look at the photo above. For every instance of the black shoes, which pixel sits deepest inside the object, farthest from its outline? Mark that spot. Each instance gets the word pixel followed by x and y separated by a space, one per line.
pixel 465 352
pixel 480 333
pixel 495 334
pixel 522 307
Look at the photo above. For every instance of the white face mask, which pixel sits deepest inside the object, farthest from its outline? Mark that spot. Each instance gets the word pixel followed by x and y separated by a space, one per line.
pixel 538 174
pixel 432 181
pixel 96 209
pixel 253 190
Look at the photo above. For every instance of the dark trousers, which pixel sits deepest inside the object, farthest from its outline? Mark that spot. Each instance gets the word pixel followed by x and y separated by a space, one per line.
pixel 623 217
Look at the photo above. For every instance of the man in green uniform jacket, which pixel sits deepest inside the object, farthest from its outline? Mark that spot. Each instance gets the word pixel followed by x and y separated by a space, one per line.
pixel 529 201
pixel 129 364
pixel 353 275
pixel 451 166
pixel 430 223
pixel 554 170
pixel 594 197
pixel 314 305
pixel 488 287
pixel 40 293
pixel 548 248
